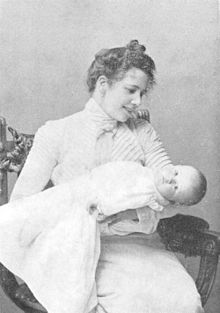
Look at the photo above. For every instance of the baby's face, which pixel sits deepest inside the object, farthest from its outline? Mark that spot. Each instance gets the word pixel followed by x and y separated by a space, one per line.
pixel 175 184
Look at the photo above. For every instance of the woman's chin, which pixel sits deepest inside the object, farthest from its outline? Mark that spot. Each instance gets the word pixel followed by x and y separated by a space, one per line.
pixel 122 118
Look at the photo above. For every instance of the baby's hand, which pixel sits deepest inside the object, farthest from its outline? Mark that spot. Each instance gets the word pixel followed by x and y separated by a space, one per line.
pixel 170 171
pixel 171 168
pixel 130 214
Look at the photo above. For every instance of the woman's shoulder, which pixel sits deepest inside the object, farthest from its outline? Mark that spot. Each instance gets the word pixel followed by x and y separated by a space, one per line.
pixel 54 132
pixel 62 124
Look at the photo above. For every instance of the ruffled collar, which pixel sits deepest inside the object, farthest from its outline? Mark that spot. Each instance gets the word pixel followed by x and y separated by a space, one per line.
pixel 102 120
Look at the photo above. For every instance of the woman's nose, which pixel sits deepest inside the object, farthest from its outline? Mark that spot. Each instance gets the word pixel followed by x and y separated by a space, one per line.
pixel 137 100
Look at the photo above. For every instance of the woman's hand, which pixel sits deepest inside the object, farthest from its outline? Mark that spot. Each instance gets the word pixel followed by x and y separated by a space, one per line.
pixel 130 214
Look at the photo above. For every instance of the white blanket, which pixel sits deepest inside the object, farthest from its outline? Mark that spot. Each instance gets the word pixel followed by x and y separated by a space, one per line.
pixel 52 242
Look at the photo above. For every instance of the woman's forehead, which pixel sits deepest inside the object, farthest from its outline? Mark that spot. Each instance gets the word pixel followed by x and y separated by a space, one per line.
pixel 137 77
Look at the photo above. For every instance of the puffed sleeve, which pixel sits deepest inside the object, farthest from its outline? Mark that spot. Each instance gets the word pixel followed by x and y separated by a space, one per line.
pixel 40 162
pixel 155 154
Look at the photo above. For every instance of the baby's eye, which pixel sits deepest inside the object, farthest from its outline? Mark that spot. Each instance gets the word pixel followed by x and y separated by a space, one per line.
pixel 175 187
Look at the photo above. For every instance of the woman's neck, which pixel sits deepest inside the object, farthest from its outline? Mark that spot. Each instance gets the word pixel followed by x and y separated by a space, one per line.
pixel 97 97
pixel 99 115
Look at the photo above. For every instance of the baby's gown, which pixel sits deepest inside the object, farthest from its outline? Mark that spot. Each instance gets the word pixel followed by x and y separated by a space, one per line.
pixel 52 240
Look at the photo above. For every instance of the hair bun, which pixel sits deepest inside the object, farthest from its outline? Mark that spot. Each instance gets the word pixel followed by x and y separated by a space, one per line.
pixel 134 45
pixel 101 53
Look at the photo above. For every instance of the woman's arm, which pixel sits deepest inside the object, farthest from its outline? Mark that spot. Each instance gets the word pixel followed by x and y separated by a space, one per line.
pixel 154 152
pixel 155 157
pixel 39 164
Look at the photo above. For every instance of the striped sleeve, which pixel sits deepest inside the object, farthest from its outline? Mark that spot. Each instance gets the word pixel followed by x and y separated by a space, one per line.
pixel 154 152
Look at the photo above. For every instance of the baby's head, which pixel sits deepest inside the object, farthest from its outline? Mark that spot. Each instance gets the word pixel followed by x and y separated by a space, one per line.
pixel 183 184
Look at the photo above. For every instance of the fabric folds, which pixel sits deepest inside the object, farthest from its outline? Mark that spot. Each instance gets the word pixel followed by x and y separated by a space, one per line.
pixel 51 239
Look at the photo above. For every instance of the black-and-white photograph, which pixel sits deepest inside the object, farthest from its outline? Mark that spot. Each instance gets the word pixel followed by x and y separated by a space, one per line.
pixel 109 156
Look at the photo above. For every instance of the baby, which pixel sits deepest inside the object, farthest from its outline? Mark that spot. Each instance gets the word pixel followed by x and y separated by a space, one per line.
pixel 121 180
pixel 124 184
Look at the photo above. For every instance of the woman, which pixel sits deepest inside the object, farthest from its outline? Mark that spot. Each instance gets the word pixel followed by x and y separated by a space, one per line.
pixel 132 277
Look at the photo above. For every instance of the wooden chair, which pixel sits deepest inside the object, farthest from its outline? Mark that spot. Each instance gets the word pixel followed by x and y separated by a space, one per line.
pixel 185 234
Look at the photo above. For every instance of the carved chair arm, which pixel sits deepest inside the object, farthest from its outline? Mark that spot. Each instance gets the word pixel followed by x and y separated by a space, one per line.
pixel 190 236
pixel 15 152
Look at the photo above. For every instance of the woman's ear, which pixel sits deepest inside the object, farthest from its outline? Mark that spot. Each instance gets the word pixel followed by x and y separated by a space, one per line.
pixel 102 84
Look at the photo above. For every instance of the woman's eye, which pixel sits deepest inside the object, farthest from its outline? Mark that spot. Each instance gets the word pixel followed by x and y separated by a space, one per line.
pixel 176 187
pixel 131 90
pixel 143 93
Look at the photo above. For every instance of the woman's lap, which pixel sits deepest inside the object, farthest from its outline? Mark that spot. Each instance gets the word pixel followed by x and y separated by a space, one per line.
pixel 134 276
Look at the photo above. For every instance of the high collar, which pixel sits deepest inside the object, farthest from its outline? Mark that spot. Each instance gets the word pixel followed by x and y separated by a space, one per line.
pixel 101 119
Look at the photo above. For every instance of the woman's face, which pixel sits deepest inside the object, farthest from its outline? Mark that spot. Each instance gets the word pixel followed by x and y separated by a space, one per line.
pixel 122 98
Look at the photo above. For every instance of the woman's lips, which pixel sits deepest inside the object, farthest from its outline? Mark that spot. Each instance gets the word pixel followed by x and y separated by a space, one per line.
pixel 131 112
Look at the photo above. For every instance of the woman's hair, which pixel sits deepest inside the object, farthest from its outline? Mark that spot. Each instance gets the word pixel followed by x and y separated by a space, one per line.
pixel 114 63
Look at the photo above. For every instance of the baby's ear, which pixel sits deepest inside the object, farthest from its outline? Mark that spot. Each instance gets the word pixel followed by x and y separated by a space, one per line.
pixel 173 202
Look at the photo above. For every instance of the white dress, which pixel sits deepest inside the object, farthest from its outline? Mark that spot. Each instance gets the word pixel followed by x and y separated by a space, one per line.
pixel 131 272
pixel 54 237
